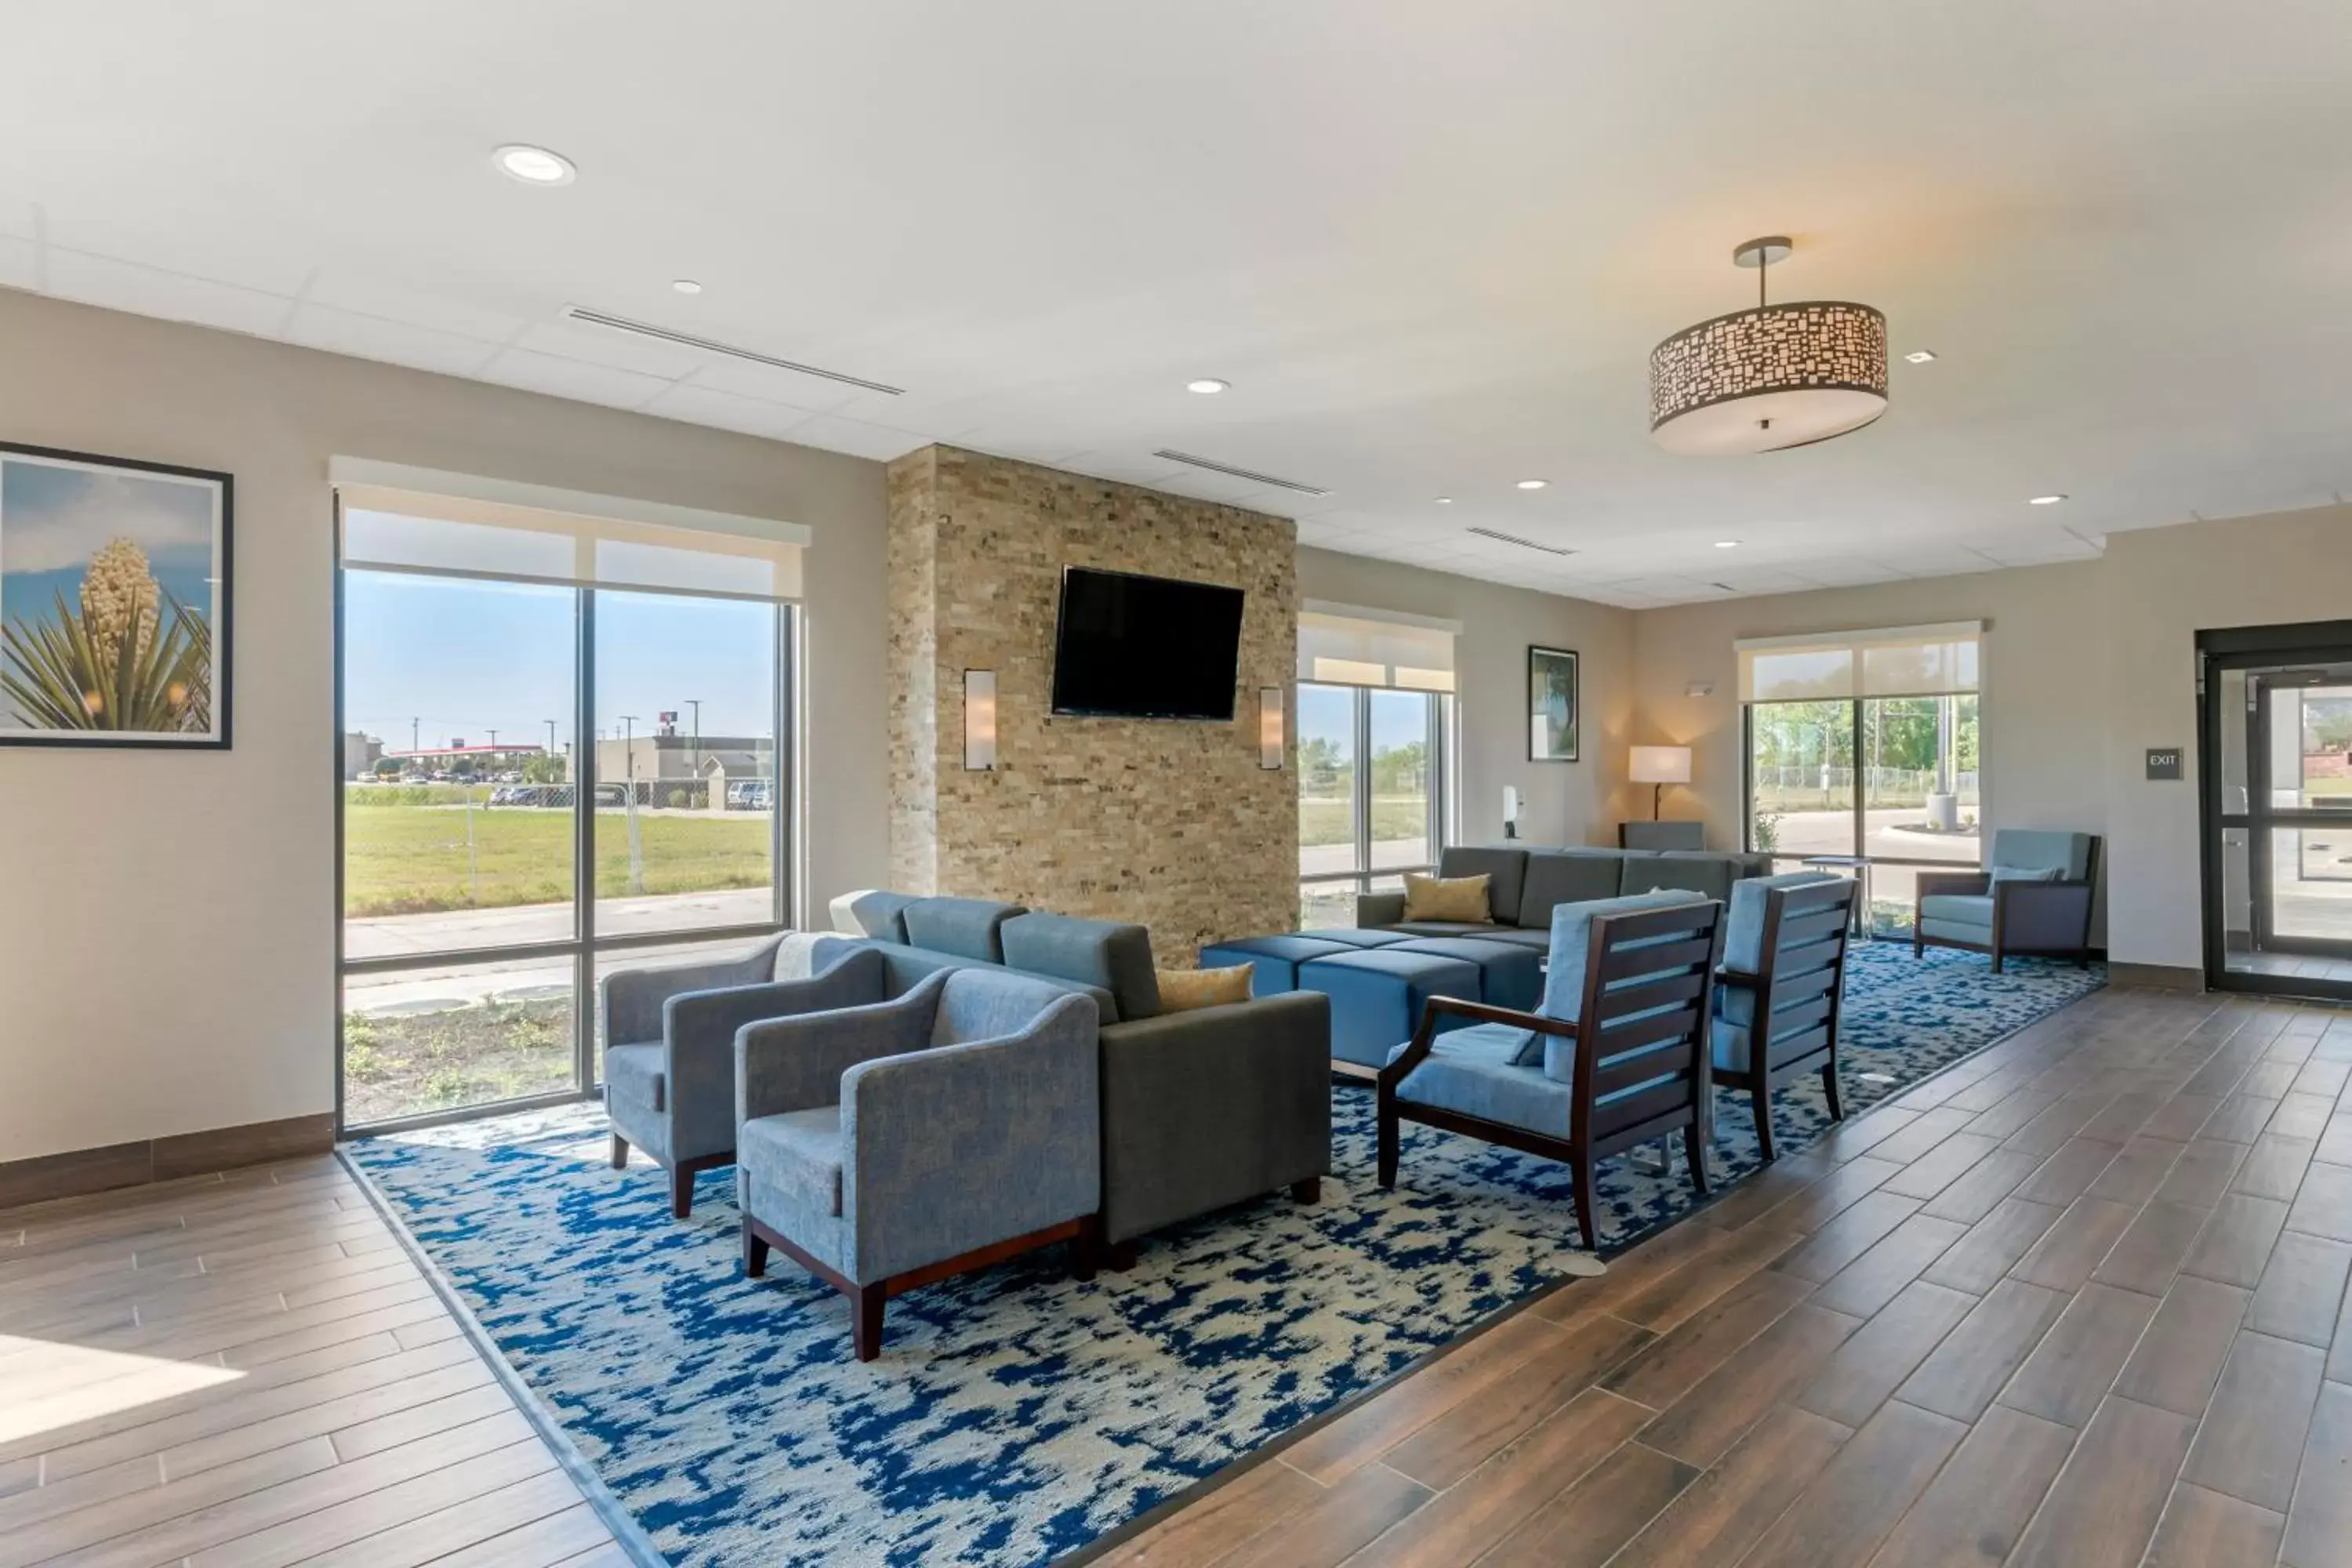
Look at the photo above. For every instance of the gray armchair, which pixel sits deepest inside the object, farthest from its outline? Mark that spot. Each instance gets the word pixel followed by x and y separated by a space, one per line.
pixel 887 1146
pixel 2034 898
pixel 669 1053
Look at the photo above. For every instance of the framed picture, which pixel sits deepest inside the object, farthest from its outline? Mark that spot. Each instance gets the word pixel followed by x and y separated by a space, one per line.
pixel 114 582
pixel 1551 705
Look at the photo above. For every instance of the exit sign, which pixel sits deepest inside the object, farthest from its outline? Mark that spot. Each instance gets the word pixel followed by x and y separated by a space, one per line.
pixel 2164 763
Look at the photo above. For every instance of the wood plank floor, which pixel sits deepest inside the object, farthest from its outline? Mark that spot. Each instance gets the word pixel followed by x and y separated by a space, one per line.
pixel 247 1371
pixel 2077 1302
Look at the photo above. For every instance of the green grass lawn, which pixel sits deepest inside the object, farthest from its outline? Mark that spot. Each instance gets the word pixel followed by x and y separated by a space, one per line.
pixel 1327 821
pixel 411 860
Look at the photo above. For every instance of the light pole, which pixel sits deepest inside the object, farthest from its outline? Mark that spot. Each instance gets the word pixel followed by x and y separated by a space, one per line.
pixel 550 737
pixel 629 764
pixel 694 752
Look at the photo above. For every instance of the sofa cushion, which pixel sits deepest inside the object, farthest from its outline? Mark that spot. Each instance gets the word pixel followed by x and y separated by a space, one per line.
pixel 1730 1046
pixel 1215 985
pixel 965 928
pixel 1692 871
pixel 635 1073
pixel 798 1154
pixel 1356 936
pixel 1959 909
pixel 1535 942
pixel 2023 846
pixel 1504 869
pixel 2024 873
pixel 872 912
pixel 1109 955
pixel 1472 1072
pixel 980 1003
pixel 1462 899
pixel 1273 960
pixel 1406 930
pixel 1557 876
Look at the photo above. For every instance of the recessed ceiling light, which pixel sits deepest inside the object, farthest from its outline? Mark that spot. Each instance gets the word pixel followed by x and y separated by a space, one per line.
pixel 687 286
pixel 1726 544
pixel 1207 385
pixel 2046 501
pixel 1445 500
pixel 533 166
pixel 1920 357
pixel 1533 484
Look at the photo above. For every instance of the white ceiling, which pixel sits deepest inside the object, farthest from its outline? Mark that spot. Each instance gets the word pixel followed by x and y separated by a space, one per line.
pixel 1430 245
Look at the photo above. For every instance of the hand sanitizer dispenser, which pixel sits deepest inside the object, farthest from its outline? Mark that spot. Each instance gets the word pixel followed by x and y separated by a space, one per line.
pixel 1510 811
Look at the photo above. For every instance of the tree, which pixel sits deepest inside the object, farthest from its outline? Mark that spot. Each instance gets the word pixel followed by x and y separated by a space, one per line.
pixel 544 770
pixel 387 768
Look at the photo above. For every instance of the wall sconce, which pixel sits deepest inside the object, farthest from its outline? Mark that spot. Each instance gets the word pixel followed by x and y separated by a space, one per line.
pixel 980 721
pixel 1271 739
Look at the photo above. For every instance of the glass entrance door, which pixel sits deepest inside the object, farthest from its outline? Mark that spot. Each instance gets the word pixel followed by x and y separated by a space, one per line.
pixel 2278 735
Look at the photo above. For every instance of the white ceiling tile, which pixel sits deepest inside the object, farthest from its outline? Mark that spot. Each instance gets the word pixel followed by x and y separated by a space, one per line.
pixel 397 343
pixel 751 415
pixel 366 295
pixel 1128 468
pixel 858 439
pixel 605 346
pixel 151 291
pixel 750 379
pixel 571 378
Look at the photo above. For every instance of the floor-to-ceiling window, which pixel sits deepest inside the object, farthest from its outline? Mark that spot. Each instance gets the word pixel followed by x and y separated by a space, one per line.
pixel 1864 748
pixel 495 864
pixel 1375 710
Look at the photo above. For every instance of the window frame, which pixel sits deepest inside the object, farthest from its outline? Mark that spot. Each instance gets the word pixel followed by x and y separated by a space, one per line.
pixel 584 947
pixel 1437 834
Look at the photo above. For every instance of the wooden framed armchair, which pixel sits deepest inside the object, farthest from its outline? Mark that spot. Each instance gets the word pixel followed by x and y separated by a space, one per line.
pixel 2032 898
pixel 1615 1056
pixel 1777 990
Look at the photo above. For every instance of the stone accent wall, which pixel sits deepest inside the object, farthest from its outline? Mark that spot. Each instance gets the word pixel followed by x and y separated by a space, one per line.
pixel 1170 823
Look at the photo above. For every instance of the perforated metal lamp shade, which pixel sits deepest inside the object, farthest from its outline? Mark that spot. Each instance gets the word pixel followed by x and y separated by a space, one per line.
pixel 1776 376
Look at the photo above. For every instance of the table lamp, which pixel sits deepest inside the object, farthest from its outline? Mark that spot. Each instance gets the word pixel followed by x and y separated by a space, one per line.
pixel 1659 766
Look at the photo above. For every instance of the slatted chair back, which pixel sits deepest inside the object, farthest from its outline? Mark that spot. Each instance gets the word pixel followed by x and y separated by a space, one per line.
pixel 1643 1059
pixel 1802 977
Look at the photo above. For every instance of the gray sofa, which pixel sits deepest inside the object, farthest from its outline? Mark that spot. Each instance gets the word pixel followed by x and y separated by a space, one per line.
pixel 1201 1108
pixel 1524 885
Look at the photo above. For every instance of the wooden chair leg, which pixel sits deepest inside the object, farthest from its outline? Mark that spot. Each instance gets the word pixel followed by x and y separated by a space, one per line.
pixel 1388 1137
pixel 1695 1150
pixel 1308 1191
pixel 865 1333
pixel 1085 1253
pixel 1119 1256
pixel 1830 1089
pixel 681 1192
pixel 619 1152
pixel 1587 1199
pixel 1996 960
pixel 1759 1101
pixel 755 1254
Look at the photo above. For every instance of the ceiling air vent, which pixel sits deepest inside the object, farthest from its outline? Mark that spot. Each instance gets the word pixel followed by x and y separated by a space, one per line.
pixel 1523 543
pixel 1231 472
pixel 686 339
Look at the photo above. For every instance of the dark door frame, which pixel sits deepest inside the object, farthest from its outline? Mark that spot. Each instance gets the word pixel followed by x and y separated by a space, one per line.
pixel 2256 647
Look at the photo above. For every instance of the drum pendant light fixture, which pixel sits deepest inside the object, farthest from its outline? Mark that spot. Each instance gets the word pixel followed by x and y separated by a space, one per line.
pixel 1777 375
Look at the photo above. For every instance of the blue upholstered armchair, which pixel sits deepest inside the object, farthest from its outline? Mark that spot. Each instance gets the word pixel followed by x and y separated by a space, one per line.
pixel 1615 1056
pixel 670 1056
pixel 886 1146
pixel 2034 897
pixel 1779 989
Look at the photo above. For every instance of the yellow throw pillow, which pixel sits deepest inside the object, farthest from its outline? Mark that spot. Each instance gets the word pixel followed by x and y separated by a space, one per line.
pixel 1455 899
pixel 1182 990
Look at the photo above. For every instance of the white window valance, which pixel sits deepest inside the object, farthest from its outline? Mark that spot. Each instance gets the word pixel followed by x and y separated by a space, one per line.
pixel 413 520
pixel 1345 645
pixel 1938 660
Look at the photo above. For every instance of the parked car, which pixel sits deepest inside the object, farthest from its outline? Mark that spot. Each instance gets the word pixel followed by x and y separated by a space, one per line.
pixel 751 795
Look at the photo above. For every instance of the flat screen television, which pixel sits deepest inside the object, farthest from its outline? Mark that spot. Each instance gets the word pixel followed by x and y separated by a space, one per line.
pixel 1145 647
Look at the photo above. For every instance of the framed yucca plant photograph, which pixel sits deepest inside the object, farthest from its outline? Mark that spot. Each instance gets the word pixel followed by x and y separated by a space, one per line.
pixel 114 590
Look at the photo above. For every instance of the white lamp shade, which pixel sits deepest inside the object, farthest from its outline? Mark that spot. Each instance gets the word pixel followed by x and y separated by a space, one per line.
pixel 1272 743
pixel 1661 764
pixel 979 720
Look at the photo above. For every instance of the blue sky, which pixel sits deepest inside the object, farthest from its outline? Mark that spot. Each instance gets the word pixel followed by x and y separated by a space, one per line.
pixel 464 657
pixel 1398 719
pixel 53 518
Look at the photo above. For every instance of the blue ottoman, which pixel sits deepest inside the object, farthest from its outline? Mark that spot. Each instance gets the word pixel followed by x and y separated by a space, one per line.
pixel 1355 936
pixel 1377 996
pixel 1510 975
pixel 1277 959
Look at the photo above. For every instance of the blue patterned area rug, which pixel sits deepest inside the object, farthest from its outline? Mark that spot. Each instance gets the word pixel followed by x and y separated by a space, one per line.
pixel 1017 1415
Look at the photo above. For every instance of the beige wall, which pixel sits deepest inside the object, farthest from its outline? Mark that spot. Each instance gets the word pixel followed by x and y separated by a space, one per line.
pixel 167 923
pixel 2086 666
pixel 1567 803
pixel 1172 824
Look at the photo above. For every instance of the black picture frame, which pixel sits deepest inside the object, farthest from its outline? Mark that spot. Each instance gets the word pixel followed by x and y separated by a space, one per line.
pixel 219 625
pixel 1549 670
